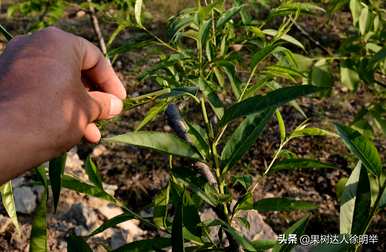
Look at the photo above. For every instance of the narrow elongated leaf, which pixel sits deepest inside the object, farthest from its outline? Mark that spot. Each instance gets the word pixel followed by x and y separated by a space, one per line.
pixel 271 100
pixel 150 245
pixel 55 172
pixel 162 142
pixel 282 204
pixel 227 15
pixel 243 138
pixel 204 32
pixel 38 240
pixel 198 137
pixel 9 203
pixel 191 218
pixel 177 228
pixel 93 173
pixel 309 131
pixel 355 202
pixel 263 245
pixel 355 8
pixel 79 186
pixel 364 20
pixel 153 112
pixel 160 210
pixel 281 123
pixel 263 53
pixel 361 147
pixel 138 11
pixel 284 37
pixel 291 164
pixel 298 228
pixel 112 223
pixel 77 244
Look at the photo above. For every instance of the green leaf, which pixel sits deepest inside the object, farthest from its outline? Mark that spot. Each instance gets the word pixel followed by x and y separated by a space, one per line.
pixel 150 245
pixel 9 203
pixel 38 238
pixel 364 20
pixel 227 15
pixel 199 139
pixel 355 202
pixel 245 181
pixel 304 131
pixel 214 100
pixel 339 187
pixel 244 242
pixel 93 173
pixel 112 223
pixel 138 11
pixel 153 112
pixel 162 142
pixel 291 164
pixel 282 204
pixel 191 218
pixel 204 33
pixel 285 37
pixel 281 123
pixel 361 147
pixel 77 244
pixel 55 172
pixel 287 8
pixel 349 77
pixel 321 76
pixel 262 54
pixel 79 186
pixel 160 207
pixel 271 100
pixel 298 228
pixel 263 245
pixel 243 138
pixel 355 8
pixel 177 228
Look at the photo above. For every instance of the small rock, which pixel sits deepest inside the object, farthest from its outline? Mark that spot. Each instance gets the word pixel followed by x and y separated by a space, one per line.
pixel 25 200
pixel 99 150
pixel 82 215
pixel 117 239
pixel 18 182
pixel 80 231
pixel 38 191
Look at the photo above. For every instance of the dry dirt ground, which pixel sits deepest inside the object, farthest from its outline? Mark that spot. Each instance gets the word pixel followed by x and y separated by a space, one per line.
pixel 140 174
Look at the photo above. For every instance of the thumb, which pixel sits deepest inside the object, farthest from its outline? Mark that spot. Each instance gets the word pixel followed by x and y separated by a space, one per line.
pixel 104 105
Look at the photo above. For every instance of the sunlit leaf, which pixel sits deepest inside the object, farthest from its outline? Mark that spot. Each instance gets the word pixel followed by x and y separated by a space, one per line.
pixel 355 202
pixel 138 11
pixel 361 147
pixel 271 100
pixel 162 142
pixel 9 203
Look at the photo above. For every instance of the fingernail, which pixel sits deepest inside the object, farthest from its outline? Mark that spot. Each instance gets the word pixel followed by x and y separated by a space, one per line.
pixel 116 106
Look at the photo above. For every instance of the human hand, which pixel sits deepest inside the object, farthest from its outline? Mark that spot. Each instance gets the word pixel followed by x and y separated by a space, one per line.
pixel 53 87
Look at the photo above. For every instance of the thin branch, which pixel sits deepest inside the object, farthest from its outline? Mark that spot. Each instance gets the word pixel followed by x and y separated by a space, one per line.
pixel 97 29
pixel 310 38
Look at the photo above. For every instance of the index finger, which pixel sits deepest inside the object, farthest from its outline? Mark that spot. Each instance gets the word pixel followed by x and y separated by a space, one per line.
pixel 99 71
